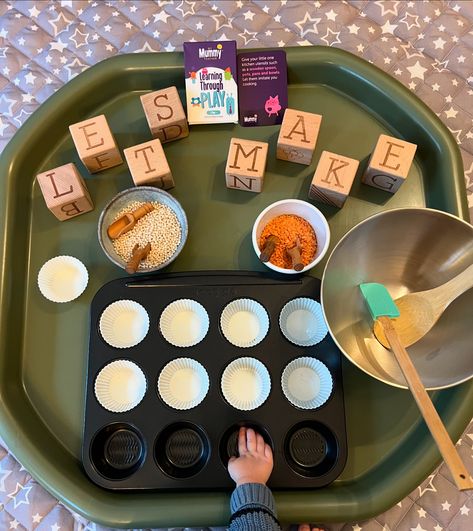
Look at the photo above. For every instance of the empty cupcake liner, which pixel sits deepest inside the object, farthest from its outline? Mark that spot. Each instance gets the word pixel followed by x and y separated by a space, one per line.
pixel 302 322
pixel 184 323
pixel 307 383
pixel 124 323
pixel 246 383
pixel 244 322
pixel 120 386
pixel 183 383
pixel 62 279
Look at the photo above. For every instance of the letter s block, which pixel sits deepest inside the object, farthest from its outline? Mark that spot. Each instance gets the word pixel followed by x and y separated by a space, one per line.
pixel 65 192
pixel 298 136
pixel 165 114
pixel 246 163
pixel 95 144
pixel 389 163
pixel 148 165
pixel 333 178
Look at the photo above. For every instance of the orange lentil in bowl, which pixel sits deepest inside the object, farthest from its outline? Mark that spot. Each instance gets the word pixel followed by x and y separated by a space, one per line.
pixel 289 227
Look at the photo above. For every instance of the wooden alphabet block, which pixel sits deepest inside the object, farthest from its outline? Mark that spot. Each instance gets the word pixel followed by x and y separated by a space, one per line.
pixel 65 192
pixel 389 164
pixel 148 165
pixel 95 144
pixel 246 163
pixel 333 178
pixel 165 114
pixel 298 136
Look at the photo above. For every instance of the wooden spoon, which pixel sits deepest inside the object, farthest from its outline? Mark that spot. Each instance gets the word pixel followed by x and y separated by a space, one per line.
pixel 420 311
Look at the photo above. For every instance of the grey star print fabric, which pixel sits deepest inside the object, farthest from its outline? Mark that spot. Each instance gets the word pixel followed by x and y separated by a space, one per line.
pixel 426 45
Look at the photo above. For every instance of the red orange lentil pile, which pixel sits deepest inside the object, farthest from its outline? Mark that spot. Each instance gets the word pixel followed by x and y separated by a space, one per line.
pixel 288 228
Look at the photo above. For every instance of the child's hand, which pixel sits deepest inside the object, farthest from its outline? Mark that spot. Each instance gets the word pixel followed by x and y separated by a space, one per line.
pixel 255 463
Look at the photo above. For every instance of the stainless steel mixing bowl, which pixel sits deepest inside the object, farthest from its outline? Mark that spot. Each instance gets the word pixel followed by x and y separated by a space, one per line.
pixel 406 249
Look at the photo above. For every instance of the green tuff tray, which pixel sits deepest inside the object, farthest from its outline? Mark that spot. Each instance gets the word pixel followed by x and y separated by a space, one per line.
pixel 43 346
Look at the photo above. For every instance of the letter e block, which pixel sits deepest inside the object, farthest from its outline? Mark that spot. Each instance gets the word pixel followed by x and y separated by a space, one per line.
pixel 65 192
pixel 389 163
pixel 298 136
pixel 333 179
pixel 246 163
pixel 95 144
pixel 165 114
pixel 148 165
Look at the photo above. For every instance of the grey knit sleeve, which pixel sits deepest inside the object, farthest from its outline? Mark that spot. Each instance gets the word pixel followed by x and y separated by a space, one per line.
pixel 253 509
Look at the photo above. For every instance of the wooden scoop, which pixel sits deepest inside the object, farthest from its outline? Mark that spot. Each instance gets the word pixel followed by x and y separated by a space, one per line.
pixel 127 221
pixel 382 310
pixel 295 254
pixel 268 248
pixel 420 311
pixel 138 254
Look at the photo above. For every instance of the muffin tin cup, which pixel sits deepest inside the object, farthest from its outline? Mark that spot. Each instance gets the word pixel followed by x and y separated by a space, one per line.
pixel 244 322
pixel 302 322
pixel 246 383
pixel 120 386
pixel 307 383
pixel 183 383
pixel 184 323
pixel 124 323
pixel 62 279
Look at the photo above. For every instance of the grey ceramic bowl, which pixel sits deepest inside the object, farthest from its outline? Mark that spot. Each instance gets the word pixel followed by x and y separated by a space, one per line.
pixel 407 250
pixel 141 194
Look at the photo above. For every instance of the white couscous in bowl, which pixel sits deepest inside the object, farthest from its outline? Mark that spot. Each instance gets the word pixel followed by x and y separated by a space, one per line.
pixel 164 227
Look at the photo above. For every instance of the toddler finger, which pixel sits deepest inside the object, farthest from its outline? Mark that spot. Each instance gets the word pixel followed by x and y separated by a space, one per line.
pixel 242 447
pixel 251 440
pixel 259 443
pixel 268 453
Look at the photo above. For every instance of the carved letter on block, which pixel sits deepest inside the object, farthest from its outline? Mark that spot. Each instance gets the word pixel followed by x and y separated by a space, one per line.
pixel 148 165
pixel 298 136
pixel 246 163
pixel 165 114
pixel 389 163
pixel 65 192
pixel 333 178
pixel 95 144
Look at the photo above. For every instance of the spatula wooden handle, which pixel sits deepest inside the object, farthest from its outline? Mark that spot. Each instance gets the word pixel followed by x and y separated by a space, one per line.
pixel 437 429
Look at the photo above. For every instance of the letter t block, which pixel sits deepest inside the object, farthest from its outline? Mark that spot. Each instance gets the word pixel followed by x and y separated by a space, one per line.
pixel 165 114
pixel 298 136
pixel 148 165
pixel 65 192
pixel 333 178
pixel 95 144
pixel 246 163
pixel 389 163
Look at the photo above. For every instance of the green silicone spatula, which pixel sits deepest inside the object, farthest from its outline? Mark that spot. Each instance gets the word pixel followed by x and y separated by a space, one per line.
pixel 382 309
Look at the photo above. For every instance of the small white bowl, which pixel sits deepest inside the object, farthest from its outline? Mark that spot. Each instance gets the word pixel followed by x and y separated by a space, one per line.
pixel 184 323
pixel 299 208
pixel 244 323
pixel 306 383
pixel 124 323
pixel 246 383
pixel 62 279
pixel 183 383
pixel 302 322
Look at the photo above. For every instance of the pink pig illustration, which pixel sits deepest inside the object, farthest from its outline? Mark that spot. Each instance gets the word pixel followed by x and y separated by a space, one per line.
pixel 272 106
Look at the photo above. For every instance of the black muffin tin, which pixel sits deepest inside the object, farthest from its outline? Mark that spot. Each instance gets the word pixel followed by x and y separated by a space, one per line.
pixel 156 447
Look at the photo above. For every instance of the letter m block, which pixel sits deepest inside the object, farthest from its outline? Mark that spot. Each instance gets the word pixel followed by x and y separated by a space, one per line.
pixel 246 164
pixel 389 164
pixel 65 192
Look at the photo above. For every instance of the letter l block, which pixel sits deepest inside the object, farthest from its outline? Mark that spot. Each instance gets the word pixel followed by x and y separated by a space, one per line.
pixel 65 192
pixel 389 163
pixel 246 164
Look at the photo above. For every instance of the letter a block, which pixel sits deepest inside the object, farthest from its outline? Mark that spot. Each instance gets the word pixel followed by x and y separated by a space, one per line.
pixel 298 136
pixel 65 192
pixel 246 163
pixel 95 144
pixel 333 178
pixel 148 165
pixel 389 163
pixel 165 114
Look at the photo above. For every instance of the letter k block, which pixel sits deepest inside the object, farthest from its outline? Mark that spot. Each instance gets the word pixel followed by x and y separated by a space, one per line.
pixel 333 179
pixel 246 164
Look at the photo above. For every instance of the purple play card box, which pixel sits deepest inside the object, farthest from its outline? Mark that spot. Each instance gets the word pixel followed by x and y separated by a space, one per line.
pixel 211 87
pixel 262 84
